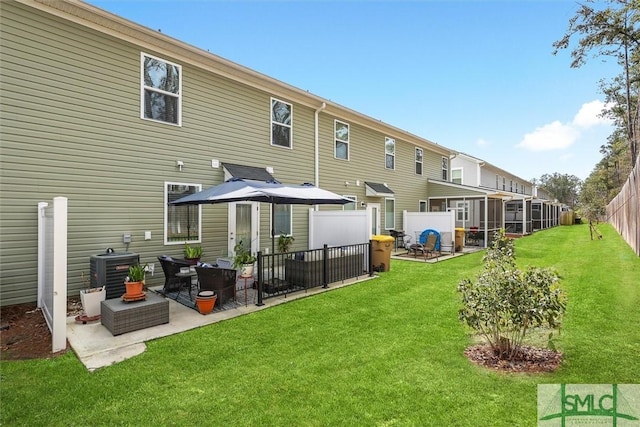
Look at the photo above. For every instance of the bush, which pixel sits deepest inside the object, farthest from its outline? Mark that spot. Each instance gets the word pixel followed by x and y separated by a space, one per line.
pixel 505 303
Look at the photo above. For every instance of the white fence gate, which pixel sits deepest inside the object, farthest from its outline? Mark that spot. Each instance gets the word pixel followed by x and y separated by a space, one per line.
pixel 443 222
pixel 338 228
pixel 52 269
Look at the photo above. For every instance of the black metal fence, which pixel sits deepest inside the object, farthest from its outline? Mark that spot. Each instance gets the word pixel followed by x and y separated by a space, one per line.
pixel 280 274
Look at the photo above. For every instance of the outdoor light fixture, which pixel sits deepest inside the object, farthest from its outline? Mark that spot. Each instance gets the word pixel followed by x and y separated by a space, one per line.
pixel 179 165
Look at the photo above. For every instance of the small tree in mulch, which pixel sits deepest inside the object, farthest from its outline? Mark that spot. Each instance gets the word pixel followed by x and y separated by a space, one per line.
pixel 504 303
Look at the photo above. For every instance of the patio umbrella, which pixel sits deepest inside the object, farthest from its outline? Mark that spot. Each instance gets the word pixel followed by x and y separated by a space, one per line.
pixel 273 192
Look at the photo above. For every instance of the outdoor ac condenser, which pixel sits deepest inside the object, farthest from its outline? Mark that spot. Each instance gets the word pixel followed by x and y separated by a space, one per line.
pixel 110 269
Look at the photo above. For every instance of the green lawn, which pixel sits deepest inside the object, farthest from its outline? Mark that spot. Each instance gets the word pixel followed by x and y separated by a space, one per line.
pixel 386 352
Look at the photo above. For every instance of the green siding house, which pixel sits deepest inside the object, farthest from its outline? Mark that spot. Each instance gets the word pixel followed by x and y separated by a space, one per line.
pixel 121 119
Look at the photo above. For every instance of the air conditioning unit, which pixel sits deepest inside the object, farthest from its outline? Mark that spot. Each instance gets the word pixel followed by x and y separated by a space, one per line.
pixel 110 270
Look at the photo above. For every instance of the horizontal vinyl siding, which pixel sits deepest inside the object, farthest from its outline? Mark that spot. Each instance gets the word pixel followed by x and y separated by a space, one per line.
pixel 367 163
pixel 71 127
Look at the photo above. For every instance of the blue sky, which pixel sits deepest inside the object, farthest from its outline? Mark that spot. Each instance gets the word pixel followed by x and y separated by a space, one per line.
pixel 475 76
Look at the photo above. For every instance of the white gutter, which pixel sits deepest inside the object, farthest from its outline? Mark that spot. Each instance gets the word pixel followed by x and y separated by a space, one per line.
pixel 316 160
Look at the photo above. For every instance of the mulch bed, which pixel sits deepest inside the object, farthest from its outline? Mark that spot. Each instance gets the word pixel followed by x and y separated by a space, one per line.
pixel 24 333
pixel 528 360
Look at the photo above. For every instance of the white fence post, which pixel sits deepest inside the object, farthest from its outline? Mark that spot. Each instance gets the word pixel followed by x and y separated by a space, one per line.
pixel 42 224
pixel 59 332
pixel 52 269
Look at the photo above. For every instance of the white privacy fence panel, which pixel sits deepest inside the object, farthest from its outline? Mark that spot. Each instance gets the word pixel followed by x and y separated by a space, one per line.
pixel 443 222
pixel 52 269
pixel 338 228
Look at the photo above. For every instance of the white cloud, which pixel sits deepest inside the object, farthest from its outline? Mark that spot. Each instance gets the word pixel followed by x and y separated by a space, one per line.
pixel 589 115
pixel 482 142
pixel 559 136
pixel 554 136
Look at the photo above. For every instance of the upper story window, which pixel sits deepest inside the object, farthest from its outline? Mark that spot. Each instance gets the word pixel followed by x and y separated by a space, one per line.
pixel 511 185
pixel 341 131
pixel 181 223
pixel 445 168
pixel 350 206
pixel 497 181
pixel 281 123
pixel 389 153
pixel 161 90
pixel 456 175
pixel 504 184
pixel 419 160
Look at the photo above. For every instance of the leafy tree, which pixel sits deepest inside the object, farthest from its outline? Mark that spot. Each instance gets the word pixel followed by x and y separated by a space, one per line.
pixel 594 196
pixel 613 31
pixel 563 187
pixel 505 303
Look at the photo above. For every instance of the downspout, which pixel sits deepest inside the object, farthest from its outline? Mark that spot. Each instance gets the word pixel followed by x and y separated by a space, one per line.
pixel 451 157
pixel 317 147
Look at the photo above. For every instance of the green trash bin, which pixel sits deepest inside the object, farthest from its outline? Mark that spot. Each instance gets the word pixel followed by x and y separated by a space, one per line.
pixel 382 246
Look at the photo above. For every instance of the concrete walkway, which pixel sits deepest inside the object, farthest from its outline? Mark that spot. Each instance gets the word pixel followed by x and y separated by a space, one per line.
pixel 96 347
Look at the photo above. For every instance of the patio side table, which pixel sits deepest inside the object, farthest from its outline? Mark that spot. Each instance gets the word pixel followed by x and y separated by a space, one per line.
pixel 120 317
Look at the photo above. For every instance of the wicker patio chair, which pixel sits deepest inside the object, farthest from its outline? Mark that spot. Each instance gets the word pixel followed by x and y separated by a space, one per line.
pixel 171 267
pixel 220 280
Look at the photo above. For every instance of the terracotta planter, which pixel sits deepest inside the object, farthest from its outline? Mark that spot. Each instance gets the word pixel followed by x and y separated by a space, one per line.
pixel 205 302
pixel 134 289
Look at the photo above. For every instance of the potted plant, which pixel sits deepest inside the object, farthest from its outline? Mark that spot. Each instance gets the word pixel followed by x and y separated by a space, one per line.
pixel 192 254
pixel 134 282
pixel 243 259
pixel 205 301
pixel 284 242
pixel 91 297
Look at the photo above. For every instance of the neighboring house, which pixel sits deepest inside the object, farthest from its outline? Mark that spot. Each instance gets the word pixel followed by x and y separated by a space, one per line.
pixel 488 198
pixel 121 119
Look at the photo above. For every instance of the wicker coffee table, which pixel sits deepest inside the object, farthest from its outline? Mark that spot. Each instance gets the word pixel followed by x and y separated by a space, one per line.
pixel 120 317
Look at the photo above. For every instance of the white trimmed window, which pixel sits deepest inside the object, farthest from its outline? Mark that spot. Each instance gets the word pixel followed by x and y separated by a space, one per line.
pixel 456 175
pixel 350 206
pixel 497 181
pixel 161 89
pixel 281 123
pixel 504 184
pixel 422 205
pixel 419 160
pixel 389 214
pixel 283 219
pixel 341 131
pixel 511 185
pixel 445 168
pixel 462 211
pixel 181 223
pixel 389 153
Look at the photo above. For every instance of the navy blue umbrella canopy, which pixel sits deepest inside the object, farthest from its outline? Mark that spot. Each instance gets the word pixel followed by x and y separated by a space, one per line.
pixel 238 190
pixel 233 190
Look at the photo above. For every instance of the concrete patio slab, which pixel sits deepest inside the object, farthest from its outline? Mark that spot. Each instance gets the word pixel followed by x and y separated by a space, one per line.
pixel 96 347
